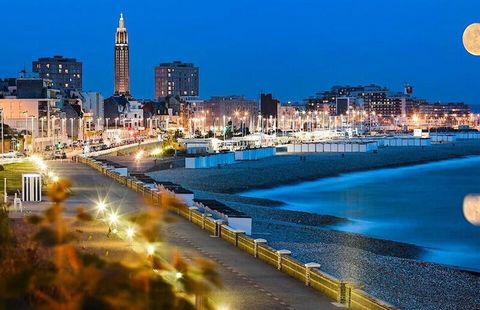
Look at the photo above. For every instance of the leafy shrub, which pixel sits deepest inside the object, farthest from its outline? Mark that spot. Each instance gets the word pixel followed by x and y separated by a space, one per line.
pixel 50 272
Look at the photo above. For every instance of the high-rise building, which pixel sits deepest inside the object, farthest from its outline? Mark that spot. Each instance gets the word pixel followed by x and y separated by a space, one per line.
pixel 65 73
pixel 268 106
pixel 122 60
pixel 176 79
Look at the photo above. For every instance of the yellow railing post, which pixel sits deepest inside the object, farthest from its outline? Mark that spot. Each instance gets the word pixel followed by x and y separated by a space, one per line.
pixel 346 287
pixel 280 254
pixel 218 228
pixel 190 211
pixel 257 242
pixel 237 232
pixel 308 269
pixel 204 218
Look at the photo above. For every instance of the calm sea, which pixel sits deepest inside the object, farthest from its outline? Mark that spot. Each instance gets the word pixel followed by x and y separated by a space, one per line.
pixel 420 204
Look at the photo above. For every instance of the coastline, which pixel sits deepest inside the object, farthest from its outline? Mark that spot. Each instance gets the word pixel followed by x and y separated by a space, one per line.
pixel 389 270
pixel 287 169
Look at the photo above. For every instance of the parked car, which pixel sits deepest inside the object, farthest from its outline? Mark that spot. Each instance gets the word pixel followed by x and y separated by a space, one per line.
pixel 60 155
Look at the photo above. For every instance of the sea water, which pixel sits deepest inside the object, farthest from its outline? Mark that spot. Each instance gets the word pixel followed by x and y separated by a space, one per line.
pixel 421 205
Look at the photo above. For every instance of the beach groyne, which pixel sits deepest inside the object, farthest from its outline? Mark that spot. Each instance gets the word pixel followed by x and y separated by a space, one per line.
pixel 342 291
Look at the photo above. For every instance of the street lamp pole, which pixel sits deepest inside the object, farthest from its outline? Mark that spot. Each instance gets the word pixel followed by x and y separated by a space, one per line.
pixel 224 128
pixel 1 111
pixel 71 127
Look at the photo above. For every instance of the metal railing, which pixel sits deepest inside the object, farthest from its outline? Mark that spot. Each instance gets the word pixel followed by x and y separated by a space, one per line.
pixel 344 292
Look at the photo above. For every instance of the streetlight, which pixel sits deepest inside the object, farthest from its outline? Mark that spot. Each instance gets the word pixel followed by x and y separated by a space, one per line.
pixel 64 127
pixel 32 130
pixel 1 111
pixel 224 128
pixel 116 123
pixel 106 122
pixel 53 128
pixel 41 125
pixel 71 128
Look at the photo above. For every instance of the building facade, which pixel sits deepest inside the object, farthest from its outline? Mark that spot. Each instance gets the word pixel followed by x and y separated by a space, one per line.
pixel 372 99
pixel 93 102
pixel 66 74
pixel 121 112
pixel 268 106
pixel 438 110
pixel 32 108
pixel 122 60
pixel 176 79
pixel 218 109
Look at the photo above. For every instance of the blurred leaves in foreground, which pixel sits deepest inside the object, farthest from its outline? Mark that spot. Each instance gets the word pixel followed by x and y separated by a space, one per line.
pixel 48 271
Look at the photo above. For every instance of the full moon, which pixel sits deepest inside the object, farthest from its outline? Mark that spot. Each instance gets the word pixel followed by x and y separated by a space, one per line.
pixel 471 39
pixel 471 209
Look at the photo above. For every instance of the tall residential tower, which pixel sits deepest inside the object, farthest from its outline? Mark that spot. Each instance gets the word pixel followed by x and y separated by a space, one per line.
pixel 65 73
pixel 122 60
pixel 176 79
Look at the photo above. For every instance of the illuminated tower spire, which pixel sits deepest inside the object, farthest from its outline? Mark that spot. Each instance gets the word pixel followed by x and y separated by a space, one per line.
pixel 122 60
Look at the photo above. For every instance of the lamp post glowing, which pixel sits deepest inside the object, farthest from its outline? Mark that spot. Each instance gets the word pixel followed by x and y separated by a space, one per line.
pixel 71 128
pixel 64 127
pixel 1 111
pixel 113 218
pixel 150 249
pixel 130 232
pixel 53 128
pixel 101 207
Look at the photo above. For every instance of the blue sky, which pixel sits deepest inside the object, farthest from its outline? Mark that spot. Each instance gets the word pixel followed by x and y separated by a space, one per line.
pixel 290 48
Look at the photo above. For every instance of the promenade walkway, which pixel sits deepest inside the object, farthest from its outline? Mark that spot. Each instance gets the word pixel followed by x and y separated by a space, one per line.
pixel 248 282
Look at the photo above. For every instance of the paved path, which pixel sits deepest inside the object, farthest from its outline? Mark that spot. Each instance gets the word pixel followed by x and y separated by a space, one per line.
pixel 248 282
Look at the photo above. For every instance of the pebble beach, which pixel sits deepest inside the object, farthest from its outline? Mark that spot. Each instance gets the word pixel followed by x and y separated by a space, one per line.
pixel 388 270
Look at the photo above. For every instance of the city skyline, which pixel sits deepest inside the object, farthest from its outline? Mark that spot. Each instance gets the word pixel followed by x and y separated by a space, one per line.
pixel 283 75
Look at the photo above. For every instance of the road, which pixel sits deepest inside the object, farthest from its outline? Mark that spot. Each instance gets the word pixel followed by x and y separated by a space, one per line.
pixel 248 283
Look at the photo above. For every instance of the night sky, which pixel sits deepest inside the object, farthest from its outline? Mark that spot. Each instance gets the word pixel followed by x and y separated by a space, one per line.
pixel 290 48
